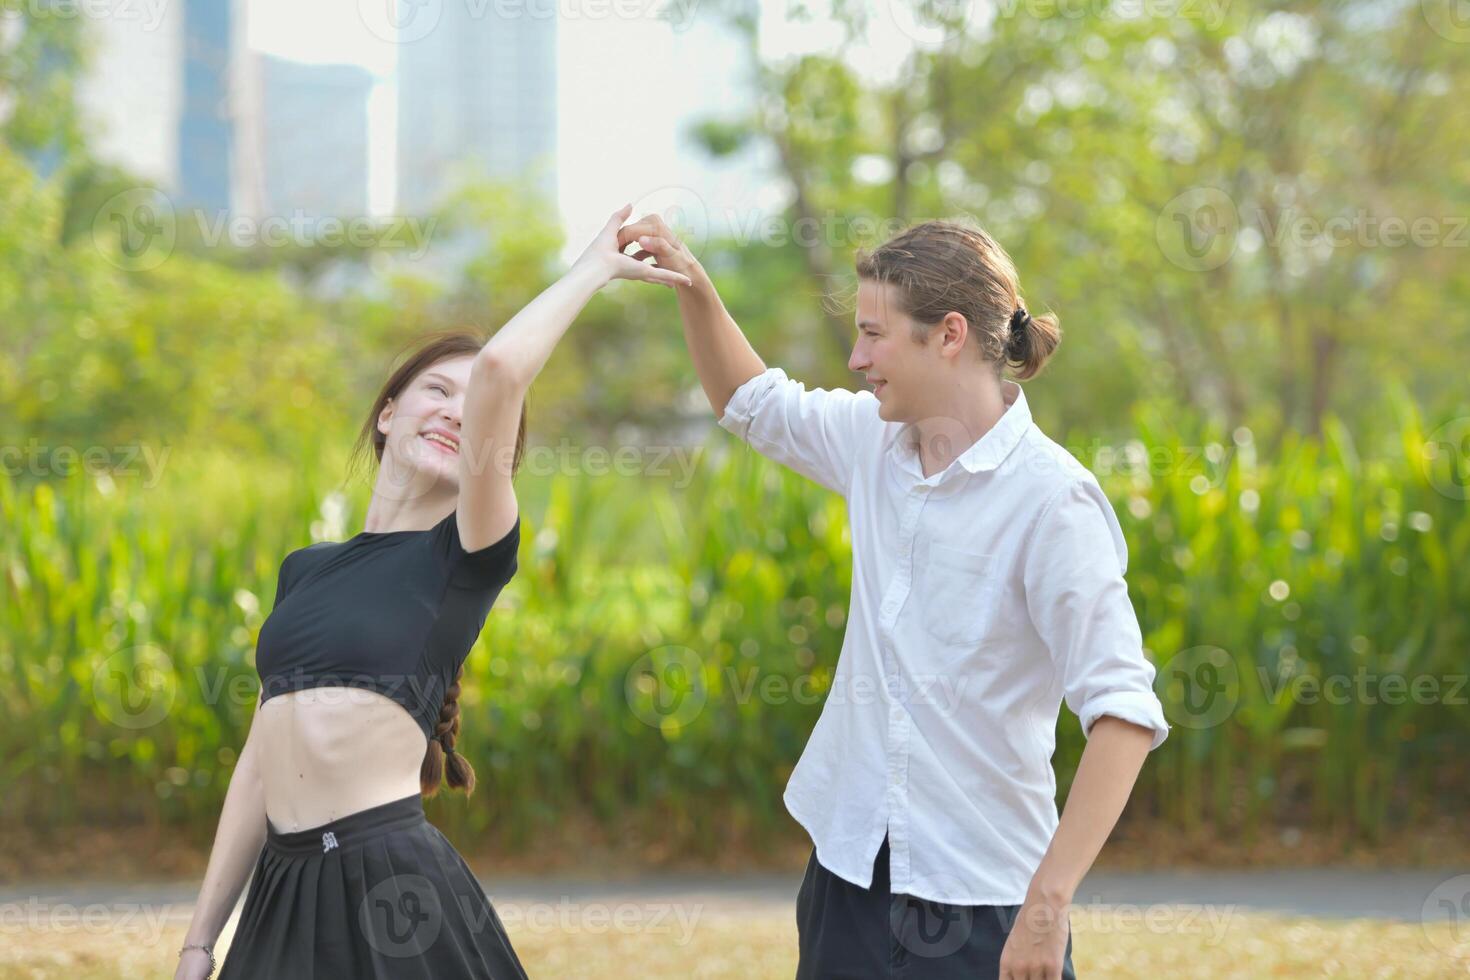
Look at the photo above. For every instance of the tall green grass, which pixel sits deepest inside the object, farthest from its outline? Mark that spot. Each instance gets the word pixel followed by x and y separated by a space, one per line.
pixel 643 662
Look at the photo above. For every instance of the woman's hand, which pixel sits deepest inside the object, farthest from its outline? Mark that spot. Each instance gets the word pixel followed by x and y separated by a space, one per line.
pixel 605 257
pixel 193 965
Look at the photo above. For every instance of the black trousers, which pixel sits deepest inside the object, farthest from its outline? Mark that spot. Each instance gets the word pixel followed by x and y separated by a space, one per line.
pixel 864 933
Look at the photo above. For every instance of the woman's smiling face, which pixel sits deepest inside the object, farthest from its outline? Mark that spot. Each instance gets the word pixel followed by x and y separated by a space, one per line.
pixel 422 422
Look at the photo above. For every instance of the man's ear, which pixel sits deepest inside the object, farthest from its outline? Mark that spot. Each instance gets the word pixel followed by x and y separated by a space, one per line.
pixel 953 331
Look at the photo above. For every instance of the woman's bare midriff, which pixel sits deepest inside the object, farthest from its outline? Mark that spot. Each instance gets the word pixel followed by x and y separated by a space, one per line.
pixel 328 752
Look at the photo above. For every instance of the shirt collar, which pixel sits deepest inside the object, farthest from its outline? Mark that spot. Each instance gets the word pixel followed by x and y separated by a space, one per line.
pixel 989 450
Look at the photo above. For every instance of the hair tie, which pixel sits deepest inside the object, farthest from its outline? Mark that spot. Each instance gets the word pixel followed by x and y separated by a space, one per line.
pixel 1020 318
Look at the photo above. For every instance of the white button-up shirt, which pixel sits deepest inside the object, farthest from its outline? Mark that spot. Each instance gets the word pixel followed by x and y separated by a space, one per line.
pixel 982 596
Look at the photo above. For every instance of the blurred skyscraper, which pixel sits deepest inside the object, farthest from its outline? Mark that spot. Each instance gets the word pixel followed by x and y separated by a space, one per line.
pixel 168 95
pixel 314 134
pixel 130 95
pixel 476 98
pixel 206 123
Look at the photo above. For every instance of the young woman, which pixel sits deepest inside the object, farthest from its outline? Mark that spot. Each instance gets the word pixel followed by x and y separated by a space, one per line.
pixel 360 661
pixel 987 588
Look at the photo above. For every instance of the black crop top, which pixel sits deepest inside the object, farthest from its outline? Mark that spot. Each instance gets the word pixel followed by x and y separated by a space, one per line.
pixel 389 611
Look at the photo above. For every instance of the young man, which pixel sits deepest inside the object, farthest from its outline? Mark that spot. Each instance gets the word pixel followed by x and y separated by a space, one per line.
pixel 987 588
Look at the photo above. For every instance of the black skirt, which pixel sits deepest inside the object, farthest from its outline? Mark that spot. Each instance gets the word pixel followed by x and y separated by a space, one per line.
pixel 377 893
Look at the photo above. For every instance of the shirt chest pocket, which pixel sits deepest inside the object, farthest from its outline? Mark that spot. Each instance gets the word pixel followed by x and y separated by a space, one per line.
pixel 960 593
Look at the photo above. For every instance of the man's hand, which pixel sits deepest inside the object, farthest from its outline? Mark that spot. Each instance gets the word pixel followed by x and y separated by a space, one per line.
pixel 1037 945
pixel 658 242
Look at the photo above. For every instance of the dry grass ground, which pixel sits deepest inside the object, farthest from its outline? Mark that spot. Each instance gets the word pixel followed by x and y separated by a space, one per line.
pixel 758 939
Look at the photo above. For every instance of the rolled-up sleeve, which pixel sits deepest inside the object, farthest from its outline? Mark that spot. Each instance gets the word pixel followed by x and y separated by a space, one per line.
pixel 815 432
pixel 1078 601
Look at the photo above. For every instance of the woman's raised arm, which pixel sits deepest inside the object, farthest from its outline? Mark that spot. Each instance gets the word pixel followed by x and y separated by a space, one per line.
pixel 506 366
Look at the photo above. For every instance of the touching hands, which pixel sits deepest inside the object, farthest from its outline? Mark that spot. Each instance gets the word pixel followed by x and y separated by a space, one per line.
pixel 658 242
pixel 605 255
